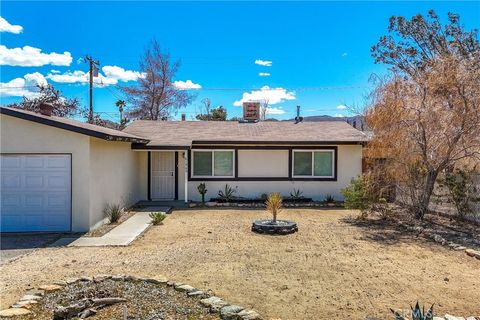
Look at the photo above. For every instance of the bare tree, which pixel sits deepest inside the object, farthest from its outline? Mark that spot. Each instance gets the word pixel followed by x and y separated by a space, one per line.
pixel 425 116
pixel 62 107
pixel 155 96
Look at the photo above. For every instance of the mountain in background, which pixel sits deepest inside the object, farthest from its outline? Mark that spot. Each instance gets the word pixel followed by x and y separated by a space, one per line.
pixel 358 122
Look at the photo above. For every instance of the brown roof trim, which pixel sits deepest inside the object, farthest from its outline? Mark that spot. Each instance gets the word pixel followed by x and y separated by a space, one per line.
pixel 142 146
pixel 69 127
pixel 303 143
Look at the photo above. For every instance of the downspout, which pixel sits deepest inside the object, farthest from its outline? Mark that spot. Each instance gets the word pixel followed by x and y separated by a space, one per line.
pixel 186 176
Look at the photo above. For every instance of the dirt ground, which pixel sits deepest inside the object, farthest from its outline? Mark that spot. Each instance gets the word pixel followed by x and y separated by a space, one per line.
pixel 330 269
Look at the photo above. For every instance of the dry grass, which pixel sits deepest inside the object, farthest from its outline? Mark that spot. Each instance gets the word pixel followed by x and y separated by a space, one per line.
pixel 329 269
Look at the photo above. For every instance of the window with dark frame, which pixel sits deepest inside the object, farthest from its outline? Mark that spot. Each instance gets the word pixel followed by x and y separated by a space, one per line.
pixel 313 163
pixel 213 163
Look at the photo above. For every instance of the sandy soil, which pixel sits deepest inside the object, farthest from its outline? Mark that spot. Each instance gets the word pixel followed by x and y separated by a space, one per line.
pixel 329 269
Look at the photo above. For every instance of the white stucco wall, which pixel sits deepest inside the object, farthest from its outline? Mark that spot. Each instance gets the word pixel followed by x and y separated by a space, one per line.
pixel 349 166
pixel 116 176
pixel 22 136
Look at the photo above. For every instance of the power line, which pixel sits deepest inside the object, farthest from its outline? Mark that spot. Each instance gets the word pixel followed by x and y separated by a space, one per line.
pixel 231 89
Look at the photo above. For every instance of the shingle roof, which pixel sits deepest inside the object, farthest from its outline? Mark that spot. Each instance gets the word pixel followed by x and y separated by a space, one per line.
pixel 74 125
pixel 186 133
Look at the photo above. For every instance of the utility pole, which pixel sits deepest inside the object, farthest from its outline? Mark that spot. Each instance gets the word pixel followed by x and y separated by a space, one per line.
pixel 93 72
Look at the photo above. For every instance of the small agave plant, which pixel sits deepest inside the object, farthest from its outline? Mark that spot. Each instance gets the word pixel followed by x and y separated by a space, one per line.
pixel 417 313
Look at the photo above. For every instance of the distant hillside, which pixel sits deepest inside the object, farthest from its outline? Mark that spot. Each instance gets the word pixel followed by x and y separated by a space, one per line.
pixel 358 122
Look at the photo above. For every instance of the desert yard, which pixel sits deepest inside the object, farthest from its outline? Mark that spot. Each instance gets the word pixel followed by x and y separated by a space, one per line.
pixel 331 268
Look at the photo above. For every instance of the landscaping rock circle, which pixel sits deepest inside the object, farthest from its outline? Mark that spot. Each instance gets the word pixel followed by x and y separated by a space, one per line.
pixel 280 227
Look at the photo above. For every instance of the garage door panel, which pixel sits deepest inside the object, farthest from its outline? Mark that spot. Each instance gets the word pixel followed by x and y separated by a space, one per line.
pixel 34 162
pixel 10 181
pixel 11 163
pixel 37 195
pixel 58 162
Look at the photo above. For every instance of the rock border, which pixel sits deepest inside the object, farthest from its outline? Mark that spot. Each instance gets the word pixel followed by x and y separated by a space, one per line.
pixel 312 204
pixel 439 239
pixel 227 311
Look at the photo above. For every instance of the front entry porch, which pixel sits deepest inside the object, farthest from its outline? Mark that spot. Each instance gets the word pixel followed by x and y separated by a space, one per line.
pixel 166 177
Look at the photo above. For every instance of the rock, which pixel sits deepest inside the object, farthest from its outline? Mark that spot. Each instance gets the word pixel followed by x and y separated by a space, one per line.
pixel 471 318
pixel 24 304
pixel 72 280
pixel 460 248
pixel 438 318
pixel 450 317
pixel 210 204
pixel 157 280
pixel 36 292
pixel 185 288
pixel 131 278
pixel 207 302
pixel 195 293
pixel 173 283
pixel 13 312
pixel 60 283
pixel 217 306
pixel 230 312
pixel 472 253
pixel 249 315
pixel 50 287
pixel 86 279
pixel 101 277
pixel 118 277
pixel 30 297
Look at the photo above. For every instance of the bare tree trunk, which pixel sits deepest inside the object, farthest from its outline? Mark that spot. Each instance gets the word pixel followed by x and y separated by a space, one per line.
pixel 426 193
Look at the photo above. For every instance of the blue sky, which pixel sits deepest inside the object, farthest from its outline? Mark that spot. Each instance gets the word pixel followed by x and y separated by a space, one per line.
pixel 319 51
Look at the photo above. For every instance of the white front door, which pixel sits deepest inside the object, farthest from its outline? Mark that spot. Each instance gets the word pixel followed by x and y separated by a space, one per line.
pixel 35 192
pixel 163 175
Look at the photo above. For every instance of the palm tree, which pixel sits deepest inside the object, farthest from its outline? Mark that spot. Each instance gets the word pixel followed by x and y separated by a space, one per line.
pixel 120 104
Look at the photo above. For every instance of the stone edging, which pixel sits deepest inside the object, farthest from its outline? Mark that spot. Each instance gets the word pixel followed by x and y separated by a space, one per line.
pixel 312 204
pixel 439 239
pixel 215 304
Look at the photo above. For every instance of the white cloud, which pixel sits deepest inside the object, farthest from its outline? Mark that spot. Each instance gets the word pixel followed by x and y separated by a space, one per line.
pixel 265 63
pixel 113 74
pixel 344 54
pixel 5 26
pixel 341 107
pixel 25 86
pixel 264 74
pixel 273 95
pixel 338 115
pixel 54 71
pixel 121 74
pixel 186 85
pixel 32 57
pixel 278 110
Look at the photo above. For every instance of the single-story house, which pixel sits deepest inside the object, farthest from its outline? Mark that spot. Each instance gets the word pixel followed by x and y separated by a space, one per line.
pixel 58 174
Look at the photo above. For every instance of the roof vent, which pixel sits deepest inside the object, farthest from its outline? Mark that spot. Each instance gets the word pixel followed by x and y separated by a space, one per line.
pixel 298 118
pixel 251 112
pixel 46 109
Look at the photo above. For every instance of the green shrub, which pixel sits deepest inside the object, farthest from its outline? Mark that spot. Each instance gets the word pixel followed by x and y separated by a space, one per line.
pixel 157 217
pixel 113 211
pixel 202 189
pixel 329 199
pixel 228 194
pixel 296 195
pixel 356 196
pixel 462 190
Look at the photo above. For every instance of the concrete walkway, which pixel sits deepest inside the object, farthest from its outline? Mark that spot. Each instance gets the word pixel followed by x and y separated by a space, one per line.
pixel 121 235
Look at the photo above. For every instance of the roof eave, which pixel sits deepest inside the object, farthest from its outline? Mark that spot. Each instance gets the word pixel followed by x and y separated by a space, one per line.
pixel 68 127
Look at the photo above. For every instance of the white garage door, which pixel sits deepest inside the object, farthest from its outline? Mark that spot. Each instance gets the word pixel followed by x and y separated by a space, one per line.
pixel 35 192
